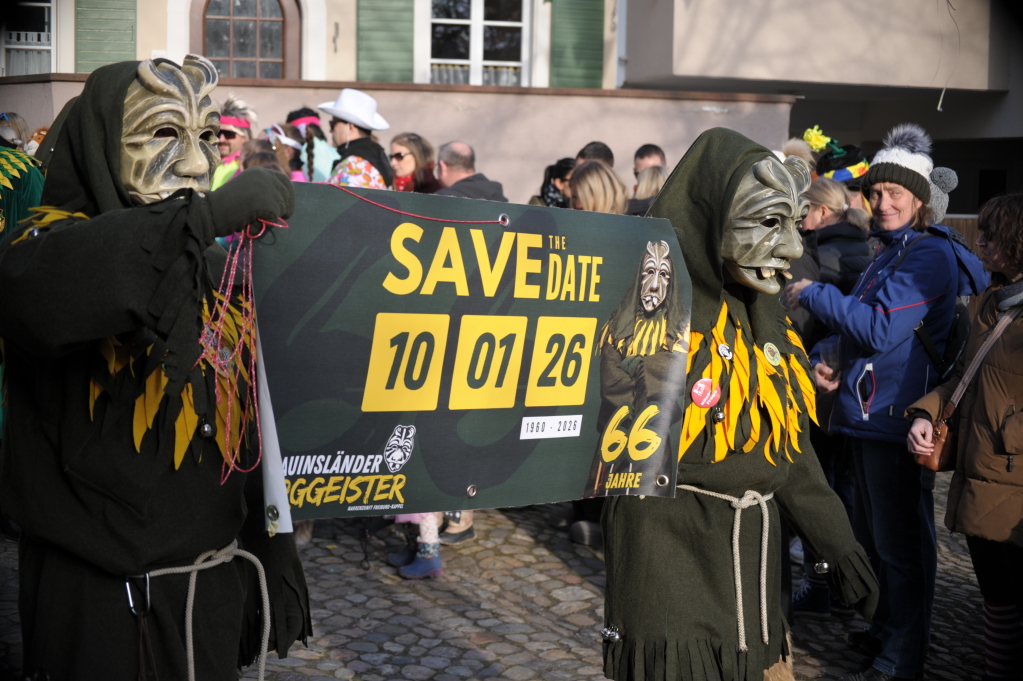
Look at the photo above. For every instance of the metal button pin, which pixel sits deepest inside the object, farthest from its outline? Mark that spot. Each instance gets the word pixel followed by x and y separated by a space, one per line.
pixel 206 430
pixel 822 567
pixel 719 415
pixel 725 351
pixel 471 491
pixel 272 513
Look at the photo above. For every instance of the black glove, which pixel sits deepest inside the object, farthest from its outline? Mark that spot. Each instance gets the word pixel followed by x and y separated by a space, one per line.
pixel 255 194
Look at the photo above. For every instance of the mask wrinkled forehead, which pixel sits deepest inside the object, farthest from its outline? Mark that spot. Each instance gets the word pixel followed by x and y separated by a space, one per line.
pixel 656 251
pixel 770 182
pixel 165 86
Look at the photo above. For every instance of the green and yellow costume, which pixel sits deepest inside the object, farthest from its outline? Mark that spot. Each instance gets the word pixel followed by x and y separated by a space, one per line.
pixel 681 600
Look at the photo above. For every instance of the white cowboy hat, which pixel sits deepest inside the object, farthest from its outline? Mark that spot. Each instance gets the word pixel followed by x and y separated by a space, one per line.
pixel 355 106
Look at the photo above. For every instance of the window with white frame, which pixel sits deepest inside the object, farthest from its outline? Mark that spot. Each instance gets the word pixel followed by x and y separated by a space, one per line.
pixel 479 42
pixel 26 41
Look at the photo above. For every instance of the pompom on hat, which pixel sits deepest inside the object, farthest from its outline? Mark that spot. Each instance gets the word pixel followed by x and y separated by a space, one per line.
pixel 904 160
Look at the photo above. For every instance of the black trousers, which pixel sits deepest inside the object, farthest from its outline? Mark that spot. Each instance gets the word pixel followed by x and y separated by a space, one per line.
pixel 999 568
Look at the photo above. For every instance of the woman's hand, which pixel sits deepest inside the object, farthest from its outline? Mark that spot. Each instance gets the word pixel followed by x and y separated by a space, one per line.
pixel 793 290
pixel 825 377
pixel 921 436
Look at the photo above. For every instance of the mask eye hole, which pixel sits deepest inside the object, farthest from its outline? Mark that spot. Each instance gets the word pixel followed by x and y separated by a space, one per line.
pixel 769 222
pixel 166 132
pixel 208 136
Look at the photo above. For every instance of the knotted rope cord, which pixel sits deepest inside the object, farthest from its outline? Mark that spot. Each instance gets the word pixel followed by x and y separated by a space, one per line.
pixel 749 499
pixel 204 562
pixel 501 220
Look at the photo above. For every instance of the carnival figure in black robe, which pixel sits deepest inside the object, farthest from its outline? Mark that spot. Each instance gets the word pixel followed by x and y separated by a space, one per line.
pixel 118 457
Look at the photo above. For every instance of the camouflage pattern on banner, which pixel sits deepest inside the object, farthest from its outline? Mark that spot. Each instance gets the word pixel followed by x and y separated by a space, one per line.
pixel 429 364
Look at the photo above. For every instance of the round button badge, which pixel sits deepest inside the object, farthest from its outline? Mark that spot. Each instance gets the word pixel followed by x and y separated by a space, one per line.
pixel 705 393
pixel 772 353
pixel 725 351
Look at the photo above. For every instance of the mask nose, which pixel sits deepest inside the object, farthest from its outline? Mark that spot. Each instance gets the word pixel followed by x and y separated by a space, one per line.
pixel 790 246
pixel 193 162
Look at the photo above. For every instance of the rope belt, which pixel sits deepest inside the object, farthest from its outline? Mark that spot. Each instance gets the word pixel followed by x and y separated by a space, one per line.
pixel 750 498
pixel 204 562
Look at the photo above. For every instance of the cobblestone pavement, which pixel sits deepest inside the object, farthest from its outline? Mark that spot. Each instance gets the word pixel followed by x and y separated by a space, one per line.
pixel 520 602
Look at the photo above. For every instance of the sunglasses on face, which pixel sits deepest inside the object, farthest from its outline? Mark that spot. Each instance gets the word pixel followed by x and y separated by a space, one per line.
pixel 400 155
pixel 227 134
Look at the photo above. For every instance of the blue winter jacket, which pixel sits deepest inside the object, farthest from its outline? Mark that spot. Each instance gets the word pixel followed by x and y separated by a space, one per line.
pixel 885 367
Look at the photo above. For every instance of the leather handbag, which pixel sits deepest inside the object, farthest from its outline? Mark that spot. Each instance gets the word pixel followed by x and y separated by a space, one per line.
pixel 946 442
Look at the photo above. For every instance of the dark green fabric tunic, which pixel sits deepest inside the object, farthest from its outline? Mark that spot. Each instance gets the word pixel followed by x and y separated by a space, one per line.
pixel 671 590
pixel 95 511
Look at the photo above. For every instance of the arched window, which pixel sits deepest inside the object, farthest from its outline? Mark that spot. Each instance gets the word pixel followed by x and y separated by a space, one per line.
pixel 248 38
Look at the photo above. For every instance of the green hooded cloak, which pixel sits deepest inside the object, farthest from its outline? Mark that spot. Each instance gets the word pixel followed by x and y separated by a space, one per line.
pixel 98 297
pixel 671 571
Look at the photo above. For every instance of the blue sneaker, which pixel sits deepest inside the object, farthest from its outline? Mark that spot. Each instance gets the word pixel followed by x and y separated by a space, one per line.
pixel 426 564
pixel 812 602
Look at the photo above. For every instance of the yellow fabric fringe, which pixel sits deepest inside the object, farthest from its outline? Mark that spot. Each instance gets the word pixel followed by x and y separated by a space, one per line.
pixel 782 409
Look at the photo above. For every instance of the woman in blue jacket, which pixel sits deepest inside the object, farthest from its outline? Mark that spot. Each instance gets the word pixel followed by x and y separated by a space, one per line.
pixel 914 280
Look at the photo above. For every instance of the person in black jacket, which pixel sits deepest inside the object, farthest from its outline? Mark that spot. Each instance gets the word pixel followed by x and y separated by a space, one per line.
pixel 456 170
pixel 843 243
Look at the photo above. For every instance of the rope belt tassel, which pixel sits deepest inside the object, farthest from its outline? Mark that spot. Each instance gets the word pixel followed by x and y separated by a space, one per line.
pixel 748 500
pixel 204 562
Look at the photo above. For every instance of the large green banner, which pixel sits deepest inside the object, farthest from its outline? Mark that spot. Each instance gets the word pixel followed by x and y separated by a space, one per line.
pixel 425 353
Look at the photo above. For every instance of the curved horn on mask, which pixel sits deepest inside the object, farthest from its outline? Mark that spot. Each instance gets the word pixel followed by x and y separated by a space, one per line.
pixel 801 169
pixel 156 81
pixel 202 73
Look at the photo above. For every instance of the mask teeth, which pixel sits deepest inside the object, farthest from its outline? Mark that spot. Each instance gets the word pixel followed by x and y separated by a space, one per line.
pixel 767 272
pixel 786 274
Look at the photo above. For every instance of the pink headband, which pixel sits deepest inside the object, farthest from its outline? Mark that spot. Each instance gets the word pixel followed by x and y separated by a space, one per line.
pixel 306 120
pixel 235 122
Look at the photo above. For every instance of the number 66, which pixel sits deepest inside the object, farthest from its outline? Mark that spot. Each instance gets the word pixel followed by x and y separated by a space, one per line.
pixel 640 441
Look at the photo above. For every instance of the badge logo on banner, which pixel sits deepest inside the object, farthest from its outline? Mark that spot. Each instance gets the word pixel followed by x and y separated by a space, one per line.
pixel 441 358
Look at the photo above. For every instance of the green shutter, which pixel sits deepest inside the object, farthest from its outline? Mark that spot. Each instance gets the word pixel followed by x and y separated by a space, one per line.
pixel 104 33
pixel 385 40
pixel 577 43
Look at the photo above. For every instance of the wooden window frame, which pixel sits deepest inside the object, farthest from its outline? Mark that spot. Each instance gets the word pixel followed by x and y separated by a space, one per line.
pixel 292 34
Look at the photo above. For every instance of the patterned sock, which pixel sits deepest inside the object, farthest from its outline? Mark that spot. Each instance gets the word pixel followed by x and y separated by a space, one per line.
pixel 1003 640
pixel 428 529
pixel 428 550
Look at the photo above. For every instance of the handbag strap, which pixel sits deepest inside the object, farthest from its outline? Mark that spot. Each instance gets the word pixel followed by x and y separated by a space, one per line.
pixel 1003 322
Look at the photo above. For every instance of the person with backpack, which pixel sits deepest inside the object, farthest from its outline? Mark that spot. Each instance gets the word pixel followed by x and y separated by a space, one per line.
pixel 877 360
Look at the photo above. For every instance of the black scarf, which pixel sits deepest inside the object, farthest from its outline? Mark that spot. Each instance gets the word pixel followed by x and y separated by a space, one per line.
pixel 366 148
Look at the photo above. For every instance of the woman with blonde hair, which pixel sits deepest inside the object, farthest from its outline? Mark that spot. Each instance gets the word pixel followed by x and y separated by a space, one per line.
pixel 596 188
pixel 650 180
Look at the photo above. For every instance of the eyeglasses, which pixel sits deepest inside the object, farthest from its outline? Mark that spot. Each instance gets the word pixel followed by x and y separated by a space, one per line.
pixel 227 134
pixel 400 155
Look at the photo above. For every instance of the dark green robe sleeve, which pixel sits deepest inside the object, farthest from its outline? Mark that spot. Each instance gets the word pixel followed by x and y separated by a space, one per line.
pixel 818 516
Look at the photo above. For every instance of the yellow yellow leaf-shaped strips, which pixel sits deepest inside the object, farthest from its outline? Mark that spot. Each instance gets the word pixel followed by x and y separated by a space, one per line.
pixel 94 392
pixel 769 398
pixel 6 183
pixel 795 339
pixel 184 426
pixel 806 387
pixel 148 404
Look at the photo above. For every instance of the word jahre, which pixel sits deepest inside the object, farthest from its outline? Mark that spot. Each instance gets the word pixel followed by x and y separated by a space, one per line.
pixel 620 480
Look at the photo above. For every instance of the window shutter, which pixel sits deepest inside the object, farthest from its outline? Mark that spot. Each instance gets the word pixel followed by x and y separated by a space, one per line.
pixel 104 33
pixel 577 43
pixel 385 40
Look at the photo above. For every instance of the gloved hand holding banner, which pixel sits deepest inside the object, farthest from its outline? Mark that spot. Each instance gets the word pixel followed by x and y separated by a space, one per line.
pixel 426 353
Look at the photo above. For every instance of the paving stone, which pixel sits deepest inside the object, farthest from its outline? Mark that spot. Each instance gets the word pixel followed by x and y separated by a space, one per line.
pixel 520 602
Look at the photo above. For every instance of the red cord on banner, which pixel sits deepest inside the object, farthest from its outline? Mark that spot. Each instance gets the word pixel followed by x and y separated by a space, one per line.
pixel 212 340
pixel 501 220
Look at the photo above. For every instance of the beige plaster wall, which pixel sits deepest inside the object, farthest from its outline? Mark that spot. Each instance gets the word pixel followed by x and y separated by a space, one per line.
pixel 150 27
pixel 515 135
pixel 869 42
pixel 341 39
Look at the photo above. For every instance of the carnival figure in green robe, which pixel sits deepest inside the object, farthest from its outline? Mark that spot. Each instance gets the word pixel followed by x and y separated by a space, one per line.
pixel 692 582
pixel 131 426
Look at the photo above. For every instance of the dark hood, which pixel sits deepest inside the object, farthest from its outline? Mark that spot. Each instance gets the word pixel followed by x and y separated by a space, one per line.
pixel 85 167
pixel 696 199
pixel 841 231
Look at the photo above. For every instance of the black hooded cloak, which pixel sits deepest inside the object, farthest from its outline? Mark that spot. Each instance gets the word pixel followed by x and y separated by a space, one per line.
pixel 98 295
pixel 671 584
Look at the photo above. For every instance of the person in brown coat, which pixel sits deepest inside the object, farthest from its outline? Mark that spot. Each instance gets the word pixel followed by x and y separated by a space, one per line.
pixel 985 499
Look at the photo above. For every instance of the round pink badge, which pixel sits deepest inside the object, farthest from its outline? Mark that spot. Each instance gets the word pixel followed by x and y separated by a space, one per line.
pixel 705 393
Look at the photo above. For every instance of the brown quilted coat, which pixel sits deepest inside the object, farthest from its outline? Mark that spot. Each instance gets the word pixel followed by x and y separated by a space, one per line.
pixel 985 498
